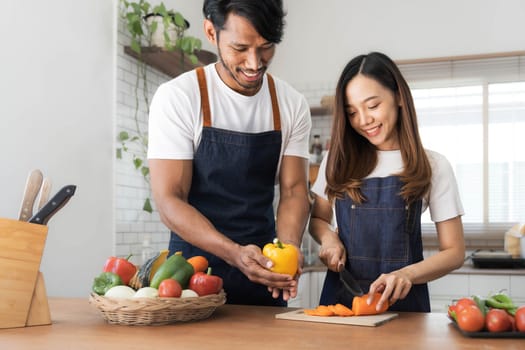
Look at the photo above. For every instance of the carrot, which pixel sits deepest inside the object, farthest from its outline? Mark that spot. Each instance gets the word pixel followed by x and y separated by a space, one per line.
pixel 321 310
pixel 341 310
pixel 199 263
pixel 360 307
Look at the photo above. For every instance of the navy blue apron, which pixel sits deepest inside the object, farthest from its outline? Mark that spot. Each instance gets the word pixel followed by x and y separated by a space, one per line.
pixel 380 235
pixel 233 186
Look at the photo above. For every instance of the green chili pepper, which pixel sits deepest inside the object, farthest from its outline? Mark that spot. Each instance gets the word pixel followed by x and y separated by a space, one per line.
pixel 482 303
pixel 502 301
pixel 105 281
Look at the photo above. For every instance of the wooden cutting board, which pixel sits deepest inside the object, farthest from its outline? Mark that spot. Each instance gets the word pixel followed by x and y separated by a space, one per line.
pixel 369 321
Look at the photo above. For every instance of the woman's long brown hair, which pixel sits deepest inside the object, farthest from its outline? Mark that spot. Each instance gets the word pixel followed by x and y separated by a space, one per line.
pixel 352 157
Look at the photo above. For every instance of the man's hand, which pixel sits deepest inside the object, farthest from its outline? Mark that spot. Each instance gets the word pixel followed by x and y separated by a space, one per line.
pixel 255 266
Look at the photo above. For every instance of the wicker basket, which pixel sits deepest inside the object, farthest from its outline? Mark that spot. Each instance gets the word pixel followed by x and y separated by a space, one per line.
pixel 158 311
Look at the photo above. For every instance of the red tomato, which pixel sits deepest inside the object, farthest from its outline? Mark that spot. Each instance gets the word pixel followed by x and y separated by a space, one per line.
pixel 470 319
pixel 512 323
pixel 170 288
pixel 464 302
pixel 497 320
pixel 519 317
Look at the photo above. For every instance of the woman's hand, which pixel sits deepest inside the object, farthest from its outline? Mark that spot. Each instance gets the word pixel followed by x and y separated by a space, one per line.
pixel 393 286
pixel 332 252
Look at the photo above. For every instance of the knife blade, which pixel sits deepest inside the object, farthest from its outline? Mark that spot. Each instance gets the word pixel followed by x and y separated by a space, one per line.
pixel 53 205
pixel 45 191
pixel 33 183
pixel 349 282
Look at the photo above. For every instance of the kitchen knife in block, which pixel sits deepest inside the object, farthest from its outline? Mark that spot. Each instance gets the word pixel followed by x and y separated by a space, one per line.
pixel 33 183
pixel 45 192
pixel 21 248
pixel 53 205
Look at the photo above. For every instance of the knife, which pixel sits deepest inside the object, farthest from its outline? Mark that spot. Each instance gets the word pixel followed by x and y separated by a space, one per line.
pixel 45 191
pixel 53 205
pixel 33 183
pixel 349 282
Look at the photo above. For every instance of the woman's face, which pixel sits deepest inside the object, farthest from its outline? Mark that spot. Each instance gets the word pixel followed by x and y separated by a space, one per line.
pixel 372 111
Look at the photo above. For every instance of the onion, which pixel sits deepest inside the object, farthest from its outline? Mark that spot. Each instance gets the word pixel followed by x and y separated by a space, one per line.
pixel 146 292
pixel 121 292
pixel 188 293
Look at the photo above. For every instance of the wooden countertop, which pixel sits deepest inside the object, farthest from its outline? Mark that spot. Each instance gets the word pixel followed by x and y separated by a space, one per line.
pixel 78 325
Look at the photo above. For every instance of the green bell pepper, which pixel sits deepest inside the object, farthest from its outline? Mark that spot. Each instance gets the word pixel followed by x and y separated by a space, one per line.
pixel 105 281
pixel 176 267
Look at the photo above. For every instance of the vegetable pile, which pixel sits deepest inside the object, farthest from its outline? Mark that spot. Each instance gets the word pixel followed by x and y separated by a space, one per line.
pixel 359 308
pixel 160 276
pixel 496 313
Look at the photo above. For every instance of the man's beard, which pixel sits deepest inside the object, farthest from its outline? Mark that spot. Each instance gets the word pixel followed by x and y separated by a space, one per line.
pixel 255 86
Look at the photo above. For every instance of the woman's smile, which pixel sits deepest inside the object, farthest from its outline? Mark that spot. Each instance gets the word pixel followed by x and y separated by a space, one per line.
pixel 371 132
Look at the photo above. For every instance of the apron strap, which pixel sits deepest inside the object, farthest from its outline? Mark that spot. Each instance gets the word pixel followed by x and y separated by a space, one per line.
pixel 205 103
pixel 275 104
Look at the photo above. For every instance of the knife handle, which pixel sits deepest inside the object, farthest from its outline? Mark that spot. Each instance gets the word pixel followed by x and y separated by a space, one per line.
pixel 53 205
pixel 33 183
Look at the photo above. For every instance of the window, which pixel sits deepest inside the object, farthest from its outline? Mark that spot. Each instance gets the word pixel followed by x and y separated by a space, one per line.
pixel 473 112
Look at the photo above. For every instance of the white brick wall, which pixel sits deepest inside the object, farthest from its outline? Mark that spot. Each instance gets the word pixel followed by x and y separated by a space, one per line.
pixel 314 92
pixel 132 223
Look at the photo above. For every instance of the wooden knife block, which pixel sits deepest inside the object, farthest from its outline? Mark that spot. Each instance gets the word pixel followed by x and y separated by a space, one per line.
pixel 23 299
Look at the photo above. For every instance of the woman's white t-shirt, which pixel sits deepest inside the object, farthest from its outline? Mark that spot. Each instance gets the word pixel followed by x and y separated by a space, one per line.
pixel 443 201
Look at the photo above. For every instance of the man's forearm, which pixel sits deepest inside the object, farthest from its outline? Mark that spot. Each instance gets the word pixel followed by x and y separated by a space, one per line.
pixel 292 216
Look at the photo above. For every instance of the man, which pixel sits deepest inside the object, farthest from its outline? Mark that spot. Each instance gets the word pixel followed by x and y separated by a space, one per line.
pixel 220 138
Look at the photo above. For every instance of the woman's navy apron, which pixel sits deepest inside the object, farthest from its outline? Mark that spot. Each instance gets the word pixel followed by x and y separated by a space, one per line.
pixel 233 186
pixel 381 235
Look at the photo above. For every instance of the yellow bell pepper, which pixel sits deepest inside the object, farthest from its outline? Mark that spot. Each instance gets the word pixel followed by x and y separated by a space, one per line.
pixel 285 257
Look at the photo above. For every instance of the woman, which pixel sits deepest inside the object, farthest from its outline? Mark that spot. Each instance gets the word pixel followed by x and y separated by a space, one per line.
pixel 377 179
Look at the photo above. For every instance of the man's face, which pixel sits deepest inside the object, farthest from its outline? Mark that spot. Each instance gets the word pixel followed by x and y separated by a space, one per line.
pixel 243 53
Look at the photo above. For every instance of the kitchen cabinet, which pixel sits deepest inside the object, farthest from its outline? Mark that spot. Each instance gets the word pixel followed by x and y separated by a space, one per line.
pixel 171 63
pixel 309 290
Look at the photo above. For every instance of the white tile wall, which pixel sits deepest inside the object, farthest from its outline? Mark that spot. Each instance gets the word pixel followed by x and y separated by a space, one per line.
pixel 132 223
pixel 313 92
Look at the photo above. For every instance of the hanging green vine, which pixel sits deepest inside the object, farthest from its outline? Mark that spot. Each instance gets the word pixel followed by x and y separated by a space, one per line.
pixel 134 15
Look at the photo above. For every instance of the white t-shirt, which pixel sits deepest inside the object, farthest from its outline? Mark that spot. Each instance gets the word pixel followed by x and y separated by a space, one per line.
pixel 175 120
pixel 443 202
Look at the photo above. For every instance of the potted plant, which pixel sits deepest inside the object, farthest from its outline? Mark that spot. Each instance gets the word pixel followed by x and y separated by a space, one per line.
pixel 150 26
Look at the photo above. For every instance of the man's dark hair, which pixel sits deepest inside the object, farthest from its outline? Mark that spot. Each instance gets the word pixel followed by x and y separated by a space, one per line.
pixel 267 16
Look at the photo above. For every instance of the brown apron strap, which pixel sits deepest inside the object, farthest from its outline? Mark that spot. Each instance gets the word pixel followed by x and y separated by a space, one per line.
pixel 275 105
pixel 205 103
